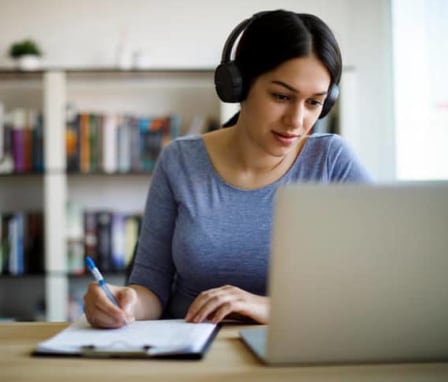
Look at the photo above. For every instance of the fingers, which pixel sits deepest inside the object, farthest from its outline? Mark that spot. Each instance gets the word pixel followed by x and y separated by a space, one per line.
pixel 101 312
pixel 228 301
pixel 215 304
pixel 127 299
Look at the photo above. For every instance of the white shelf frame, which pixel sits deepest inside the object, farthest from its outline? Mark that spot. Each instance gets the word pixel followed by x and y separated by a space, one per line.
pixel 55 194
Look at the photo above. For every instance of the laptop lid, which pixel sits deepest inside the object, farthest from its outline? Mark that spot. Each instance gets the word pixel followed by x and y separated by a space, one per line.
pixel 359 274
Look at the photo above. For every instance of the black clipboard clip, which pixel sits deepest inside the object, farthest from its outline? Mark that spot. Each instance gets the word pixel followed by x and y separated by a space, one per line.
pixel 92 351
pixel 145 351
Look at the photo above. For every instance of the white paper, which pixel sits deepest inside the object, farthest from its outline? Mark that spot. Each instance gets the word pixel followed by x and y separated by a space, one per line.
pixel 162 336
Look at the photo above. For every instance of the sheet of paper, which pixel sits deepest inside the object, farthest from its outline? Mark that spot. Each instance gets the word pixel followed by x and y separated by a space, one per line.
pixel 174 335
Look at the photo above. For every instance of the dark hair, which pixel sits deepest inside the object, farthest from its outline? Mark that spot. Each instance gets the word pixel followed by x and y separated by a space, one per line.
pixel 272 38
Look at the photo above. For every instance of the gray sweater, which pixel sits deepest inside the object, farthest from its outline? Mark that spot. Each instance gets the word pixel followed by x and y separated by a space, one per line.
pixel 199 232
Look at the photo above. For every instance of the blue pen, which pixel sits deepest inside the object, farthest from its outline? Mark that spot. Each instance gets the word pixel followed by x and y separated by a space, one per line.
pixel 100 279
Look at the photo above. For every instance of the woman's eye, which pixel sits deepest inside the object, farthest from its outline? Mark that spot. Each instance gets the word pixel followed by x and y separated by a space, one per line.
pixel 315 102
pixel 281 97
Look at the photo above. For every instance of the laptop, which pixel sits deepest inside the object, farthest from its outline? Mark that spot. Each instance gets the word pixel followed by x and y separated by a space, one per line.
pixel 358 274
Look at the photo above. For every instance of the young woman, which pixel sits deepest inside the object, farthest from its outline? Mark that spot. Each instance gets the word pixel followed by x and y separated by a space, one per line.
pixel 204 244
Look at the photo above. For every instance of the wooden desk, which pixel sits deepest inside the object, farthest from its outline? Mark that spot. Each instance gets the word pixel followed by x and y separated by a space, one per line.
pixel 227 360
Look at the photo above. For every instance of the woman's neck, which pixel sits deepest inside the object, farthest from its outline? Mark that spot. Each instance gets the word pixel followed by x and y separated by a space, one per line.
pixel 252 159
pixel 243 164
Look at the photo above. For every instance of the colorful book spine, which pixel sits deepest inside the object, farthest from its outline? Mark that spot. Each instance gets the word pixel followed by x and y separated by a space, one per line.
pixel 117 143
pixel 109 238
pixel 104 240
pixel 109 139
pixel 93 143
pixel 21 243
pixel 84 148
pixel 18 139
pixel 124 146
pixel 38 144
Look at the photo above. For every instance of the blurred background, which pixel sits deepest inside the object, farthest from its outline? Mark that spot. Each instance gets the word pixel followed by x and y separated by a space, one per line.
pixel 396 48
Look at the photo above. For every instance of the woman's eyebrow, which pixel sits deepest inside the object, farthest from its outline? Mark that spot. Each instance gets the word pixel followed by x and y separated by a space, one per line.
pixel 291 88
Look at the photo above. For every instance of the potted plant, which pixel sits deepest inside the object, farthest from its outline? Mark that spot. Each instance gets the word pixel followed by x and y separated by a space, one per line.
pixel 26 53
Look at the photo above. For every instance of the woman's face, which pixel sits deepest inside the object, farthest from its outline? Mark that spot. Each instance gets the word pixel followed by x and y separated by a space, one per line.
pixel 282 105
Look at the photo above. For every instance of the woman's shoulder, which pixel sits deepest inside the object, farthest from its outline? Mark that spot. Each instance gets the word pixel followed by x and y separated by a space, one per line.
pixel 339 156
pixel 185 142
pixel 186 151
pixel 327 143
pixel 325 139
pixel 184 145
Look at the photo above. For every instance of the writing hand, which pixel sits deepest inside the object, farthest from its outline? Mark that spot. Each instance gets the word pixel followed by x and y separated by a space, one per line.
pixel 101 312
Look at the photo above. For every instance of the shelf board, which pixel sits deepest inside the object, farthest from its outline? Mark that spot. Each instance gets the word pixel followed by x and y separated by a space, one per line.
pixel 21 276
pixel 18 175
pixel 109 174
pixel 86 274
pixel 15 74
pixel 21 174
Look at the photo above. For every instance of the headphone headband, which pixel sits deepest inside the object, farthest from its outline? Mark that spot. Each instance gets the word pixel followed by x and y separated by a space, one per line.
pixel 228 45
pixel 230 41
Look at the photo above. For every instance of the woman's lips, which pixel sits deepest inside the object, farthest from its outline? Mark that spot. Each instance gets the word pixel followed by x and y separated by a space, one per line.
pixel 284 138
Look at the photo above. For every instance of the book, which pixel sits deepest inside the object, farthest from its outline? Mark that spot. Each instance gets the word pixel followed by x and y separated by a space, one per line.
pixel 2 134
pixel 72 142
pixel 93 142
pixel 118 257
pixel 110 143
pixel 131 232
pixel 33 242
pixel 104 240
pixel 134 143
pixel 140 339
pixel 84 142
pixel 123 146
pixel 15 237
pixel 30 117
pixel 18 132
pixel 6 158
pixel 90 234
pixel 38 143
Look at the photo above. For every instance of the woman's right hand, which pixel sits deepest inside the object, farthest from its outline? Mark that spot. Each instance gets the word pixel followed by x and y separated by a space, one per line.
pixel 102 313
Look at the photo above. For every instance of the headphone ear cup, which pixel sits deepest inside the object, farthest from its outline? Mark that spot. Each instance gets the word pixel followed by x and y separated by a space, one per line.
pixel 332 96
pixel 229 82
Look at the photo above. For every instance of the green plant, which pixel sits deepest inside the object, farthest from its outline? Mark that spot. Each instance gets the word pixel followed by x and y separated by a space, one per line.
pixel 24 47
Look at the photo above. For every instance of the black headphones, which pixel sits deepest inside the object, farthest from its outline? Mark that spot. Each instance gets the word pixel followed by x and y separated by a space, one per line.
pixel 228 78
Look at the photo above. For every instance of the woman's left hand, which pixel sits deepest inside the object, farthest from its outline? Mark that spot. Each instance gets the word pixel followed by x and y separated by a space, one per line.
pixel 218 303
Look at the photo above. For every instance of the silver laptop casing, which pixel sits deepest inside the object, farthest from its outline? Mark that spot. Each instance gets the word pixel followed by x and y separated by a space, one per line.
pixel 359 274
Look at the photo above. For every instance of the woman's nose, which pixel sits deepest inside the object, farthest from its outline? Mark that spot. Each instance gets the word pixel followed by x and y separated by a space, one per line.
pixel 295 115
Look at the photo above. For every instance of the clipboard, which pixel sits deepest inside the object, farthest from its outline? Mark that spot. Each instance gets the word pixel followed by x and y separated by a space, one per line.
pixel 175 339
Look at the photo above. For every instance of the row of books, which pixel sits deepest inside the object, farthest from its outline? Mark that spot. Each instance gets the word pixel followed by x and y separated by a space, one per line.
pixel 21 141
pixel 107 236
pixel 113 143
pixel 21 243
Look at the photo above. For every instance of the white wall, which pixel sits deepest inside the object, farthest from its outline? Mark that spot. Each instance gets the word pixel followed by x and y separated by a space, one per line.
pixel 191 33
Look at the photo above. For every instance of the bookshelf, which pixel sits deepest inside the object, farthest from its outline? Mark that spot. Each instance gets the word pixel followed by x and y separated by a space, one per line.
pixel 187 93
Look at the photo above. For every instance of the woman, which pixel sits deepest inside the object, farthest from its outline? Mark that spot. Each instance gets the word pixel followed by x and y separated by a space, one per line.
pixel 204 245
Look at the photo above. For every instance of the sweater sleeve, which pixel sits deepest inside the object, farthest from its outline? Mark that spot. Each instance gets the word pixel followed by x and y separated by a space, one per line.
pixel 153 267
